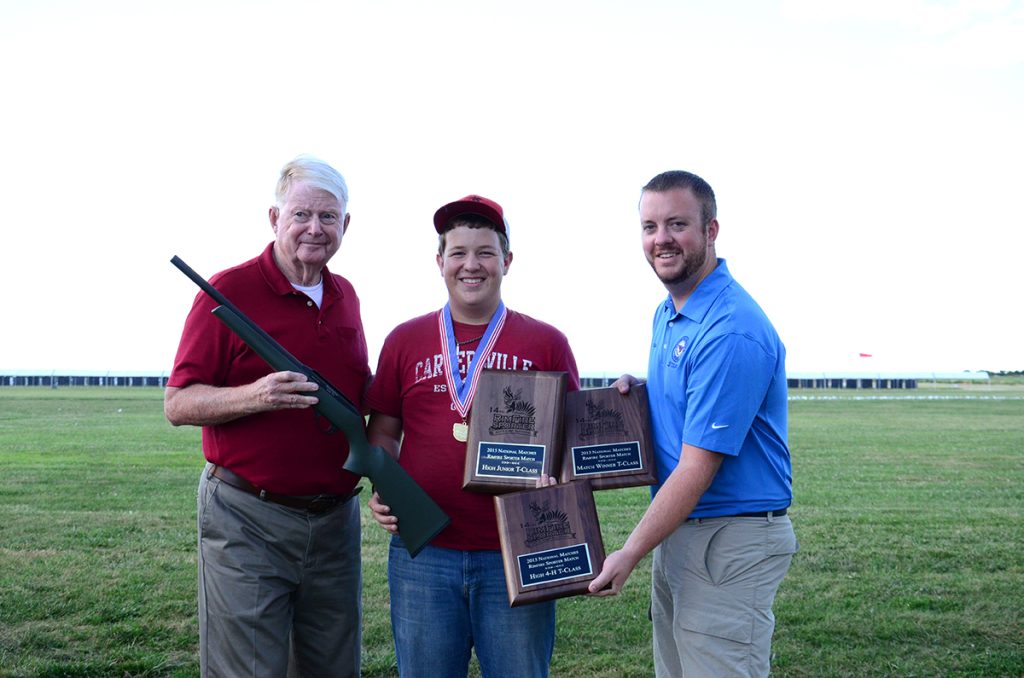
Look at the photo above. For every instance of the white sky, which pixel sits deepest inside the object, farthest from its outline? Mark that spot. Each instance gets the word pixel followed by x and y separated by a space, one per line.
pixel 867 158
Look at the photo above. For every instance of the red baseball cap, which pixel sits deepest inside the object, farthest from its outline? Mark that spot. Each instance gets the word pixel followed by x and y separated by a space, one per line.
pixel 472 204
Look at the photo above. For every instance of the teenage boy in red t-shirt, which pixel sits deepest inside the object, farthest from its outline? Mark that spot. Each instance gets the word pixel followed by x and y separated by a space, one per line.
pixel 452 598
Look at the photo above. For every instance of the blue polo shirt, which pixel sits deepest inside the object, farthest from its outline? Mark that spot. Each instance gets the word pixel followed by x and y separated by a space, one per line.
pixel 717 380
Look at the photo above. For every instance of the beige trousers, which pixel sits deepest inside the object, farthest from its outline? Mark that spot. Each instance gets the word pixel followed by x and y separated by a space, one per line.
pixel 279 588
pixel 713 585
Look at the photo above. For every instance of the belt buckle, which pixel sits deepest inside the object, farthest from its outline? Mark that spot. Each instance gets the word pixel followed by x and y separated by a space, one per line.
pixel 322 503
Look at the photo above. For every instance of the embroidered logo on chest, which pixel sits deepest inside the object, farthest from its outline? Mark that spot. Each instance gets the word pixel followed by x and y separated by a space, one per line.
pixel 677 352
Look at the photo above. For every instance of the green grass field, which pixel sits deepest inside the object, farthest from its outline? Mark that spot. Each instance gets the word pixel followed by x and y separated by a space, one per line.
pixel 910 515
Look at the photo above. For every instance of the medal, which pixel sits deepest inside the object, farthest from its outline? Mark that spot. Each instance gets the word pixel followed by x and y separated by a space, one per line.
pixel 462 390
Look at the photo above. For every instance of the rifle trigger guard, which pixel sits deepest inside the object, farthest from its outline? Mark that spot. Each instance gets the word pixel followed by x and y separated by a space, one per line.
pixel 331 428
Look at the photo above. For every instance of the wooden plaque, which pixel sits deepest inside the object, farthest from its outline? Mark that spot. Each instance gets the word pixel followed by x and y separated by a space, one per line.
pixel 515 430
pixel 551 542
pixel 608 438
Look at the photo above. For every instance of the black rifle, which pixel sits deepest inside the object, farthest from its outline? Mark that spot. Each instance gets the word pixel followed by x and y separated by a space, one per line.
pixel 420 519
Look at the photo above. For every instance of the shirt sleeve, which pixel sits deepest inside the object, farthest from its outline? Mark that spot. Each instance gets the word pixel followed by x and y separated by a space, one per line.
pixel 568 364
pixel 729 378
pixel 562 359
pixel 205 350
pixel 385 392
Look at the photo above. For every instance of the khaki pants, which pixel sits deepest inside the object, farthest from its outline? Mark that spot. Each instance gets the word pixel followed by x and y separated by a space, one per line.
pixel 713 585
pixel 279 588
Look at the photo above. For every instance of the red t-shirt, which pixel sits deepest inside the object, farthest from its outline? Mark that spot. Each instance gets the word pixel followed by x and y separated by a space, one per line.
pixel 286 451
pixel 410 384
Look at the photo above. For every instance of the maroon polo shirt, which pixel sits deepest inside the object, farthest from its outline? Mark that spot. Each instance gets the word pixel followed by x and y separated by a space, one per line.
pixel 285 451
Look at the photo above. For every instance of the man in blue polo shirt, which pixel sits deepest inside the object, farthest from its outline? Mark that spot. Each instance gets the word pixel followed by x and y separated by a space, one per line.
pixel 718 521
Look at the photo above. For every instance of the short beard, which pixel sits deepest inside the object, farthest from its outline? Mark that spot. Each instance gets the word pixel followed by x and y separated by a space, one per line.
pixel 692 264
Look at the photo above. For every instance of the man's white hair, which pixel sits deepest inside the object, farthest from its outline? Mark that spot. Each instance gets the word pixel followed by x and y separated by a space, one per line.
pixel 306 169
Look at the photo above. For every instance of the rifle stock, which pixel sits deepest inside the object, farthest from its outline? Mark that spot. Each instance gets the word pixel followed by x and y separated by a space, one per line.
pixel 420 519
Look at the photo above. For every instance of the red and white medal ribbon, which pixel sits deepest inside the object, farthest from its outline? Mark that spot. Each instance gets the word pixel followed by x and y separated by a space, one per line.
pixel 463 390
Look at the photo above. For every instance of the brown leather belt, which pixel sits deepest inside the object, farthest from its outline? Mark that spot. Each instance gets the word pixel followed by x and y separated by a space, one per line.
pixel 321 503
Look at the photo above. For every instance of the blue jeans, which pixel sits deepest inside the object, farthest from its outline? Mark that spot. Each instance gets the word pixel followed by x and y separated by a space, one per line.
pixel 445 603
